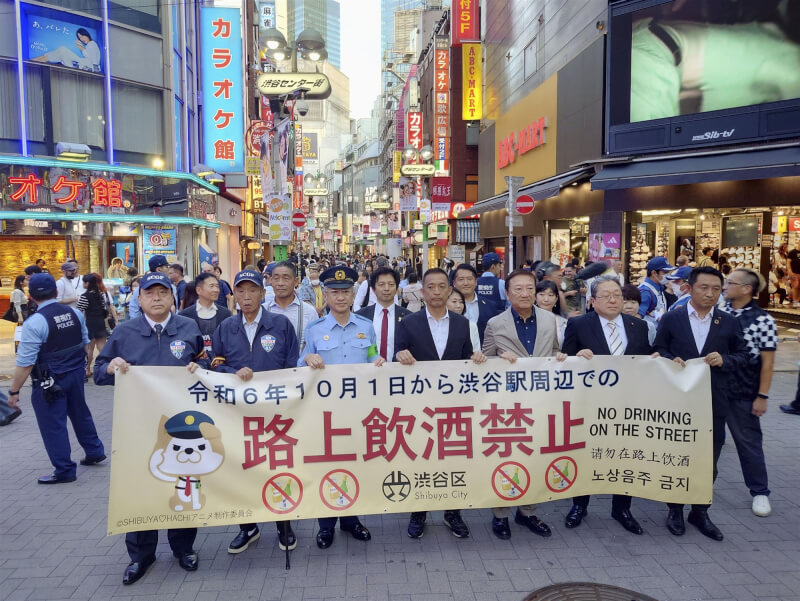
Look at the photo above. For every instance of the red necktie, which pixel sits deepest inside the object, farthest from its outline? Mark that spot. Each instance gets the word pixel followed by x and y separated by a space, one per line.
pixel 188 490
pixel 384 332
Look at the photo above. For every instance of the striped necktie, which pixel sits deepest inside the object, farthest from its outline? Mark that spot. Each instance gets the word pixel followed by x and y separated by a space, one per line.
pixel 614 343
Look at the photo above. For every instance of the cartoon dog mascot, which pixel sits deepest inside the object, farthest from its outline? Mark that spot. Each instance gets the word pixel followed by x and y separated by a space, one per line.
pixel 188 445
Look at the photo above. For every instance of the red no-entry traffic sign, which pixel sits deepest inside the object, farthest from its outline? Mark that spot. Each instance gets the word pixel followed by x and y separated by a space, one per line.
pixel 299 219
pixel 524 204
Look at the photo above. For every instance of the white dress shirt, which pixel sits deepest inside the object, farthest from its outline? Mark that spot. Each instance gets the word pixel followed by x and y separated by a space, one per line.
pixel 251 328
pixel 206 312
pixel 621 335
pixel 362 291
pixel 377 323
pixel 67 289
pixel 700 327
pixel 472 309
pixel 153 323
pixel 292 313
pixel 440 329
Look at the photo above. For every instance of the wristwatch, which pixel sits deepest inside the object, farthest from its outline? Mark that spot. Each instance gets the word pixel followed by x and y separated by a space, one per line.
pixel 762 396
pixel 13 393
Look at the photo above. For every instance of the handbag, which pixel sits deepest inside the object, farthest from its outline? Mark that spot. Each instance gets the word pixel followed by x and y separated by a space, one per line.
pixel 11 314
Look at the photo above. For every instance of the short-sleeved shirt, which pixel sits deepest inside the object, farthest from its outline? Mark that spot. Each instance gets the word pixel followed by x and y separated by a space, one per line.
pixel 34 334
pixel 338 344
pixel 758 327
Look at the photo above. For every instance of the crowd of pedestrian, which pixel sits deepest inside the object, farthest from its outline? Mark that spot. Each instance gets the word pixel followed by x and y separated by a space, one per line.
pixel 322 310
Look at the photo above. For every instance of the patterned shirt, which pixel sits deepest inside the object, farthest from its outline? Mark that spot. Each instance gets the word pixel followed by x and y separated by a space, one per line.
pixel 758 327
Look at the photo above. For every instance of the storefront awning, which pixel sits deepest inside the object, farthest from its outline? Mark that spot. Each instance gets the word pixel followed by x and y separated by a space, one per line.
pixel 106 218
pixel 545 188
pixel 732 166
pixel 468 231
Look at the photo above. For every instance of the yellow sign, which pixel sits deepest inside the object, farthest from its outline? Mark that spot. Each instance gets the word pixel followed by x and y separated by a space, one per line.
pixel 396 161
pixel 208 449
pixel 252 166
pixel 472 78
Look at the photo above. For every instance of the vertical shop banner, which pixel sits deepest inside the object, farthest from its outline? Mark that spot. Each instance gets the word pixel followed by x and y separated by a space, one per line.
pixel 471 82
pixel 160 241
pixel 441 90
pixel 466 27
pixel 280 218
pixel 403 438
pixel 223 115
pixel 282 185
pixel 414 134
pixel 397 160
pixel 266 15
pixel 298 167
pixel 265 161
pixel 441 193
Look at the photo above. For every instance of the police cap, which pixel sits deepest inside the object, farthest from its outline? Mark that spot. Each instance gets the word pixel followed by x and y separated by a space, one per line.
pixel 186 424
pixel 339 276
pixel 41 285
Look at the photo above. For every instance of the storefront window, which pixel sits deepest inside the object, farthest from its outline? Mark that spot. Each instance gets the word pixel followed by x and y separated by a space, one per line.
pixel 143 15
pixel 139 121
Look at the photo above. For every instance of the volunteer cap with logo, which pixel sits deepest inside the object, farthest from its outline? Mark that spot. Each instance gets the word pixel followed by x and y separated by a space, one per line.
pixel 155 278
pixel 248 275
pixel 490 259
pixel 268 269
pixel 340 276
pixel 682 273
pixel 659 264
pixel 41 284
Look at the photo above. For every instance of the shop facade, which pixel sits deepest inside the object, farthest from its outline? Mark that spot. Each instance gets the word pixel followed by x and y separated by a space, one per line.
pixel 54 210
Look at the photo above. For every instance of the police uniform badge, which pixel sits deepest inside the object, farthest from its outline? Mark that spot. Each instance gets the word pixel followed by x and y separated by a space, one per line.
pixel 339 275
pixel 268 342
pixel 177 347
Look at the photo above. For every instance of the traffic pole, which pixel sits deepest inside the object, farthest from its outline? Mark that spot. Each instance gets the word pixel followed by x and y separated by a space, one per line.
pixel 513 182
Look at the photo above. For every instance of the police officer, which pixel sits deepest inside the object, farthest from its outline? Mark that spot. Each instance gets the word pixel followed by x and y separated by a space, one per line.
pixel 251 342
pixel 53 347
pixel 340 337
pixel 490 287
pixel 156 337
pixel 654 303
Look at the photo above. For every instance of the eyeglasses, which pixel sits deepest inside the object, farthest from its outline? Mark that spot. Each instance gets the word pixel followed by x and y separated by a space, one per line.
pixel 729 283
pixel 606 297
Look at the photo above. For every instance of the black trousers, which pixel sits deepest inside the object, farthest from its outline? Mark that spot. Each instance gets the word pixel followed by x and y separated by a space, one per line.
pixel 142 545
pixel 745 430
pixel 719 439
pixel 249 527
pixel 618 502
pixel 796 402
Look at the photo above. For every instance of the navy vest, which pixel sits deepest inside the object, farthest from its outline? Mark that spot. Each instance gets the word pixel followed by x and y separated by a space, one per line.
pixel 63 350
pixel 488 289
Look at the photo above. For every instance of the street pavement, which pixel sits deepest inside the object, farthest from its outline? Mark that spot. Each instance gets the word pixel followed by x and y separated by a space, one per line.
pixel 53 542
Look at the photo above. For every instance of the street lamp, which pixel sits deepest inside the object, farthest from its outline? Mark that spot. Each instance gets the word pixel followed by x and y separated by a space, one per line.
pixel 310 45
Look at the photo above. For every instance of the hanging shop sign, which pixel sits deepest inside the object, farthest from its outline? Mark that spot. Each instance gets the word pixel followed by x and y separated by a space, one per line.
pixel 310 147
pixel 253 137
pixel 316 86
pixel 414 127
pixel 442 189
pixel 465 22
pixel 221 60
pixel 266 14
pixel 417 170
pixel 396 161
pixel 441 89
pixel 472 82
pixel 315 191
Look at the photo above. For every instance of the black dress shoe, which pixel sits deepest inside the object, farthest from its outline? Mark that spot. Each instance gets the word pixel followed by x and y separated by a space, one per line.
pixel 791 409
pixel 286 537
pixel 53 479
pixel 188 561
pixel 533 524
pixel 416 524
pixel 500 528
pixel 575 516
pixel 324 538
pixel 93 460
pixel 628 522
pixel 675 522
pixel 137 569
pixel 243 540
pixel 358 532
pixel 703 523
pixel 11 417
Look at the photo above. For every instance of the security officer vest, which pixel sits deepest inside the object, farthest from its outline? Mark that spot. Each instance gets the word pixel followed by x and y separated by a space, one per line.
pixel 63 350
pixel 488 289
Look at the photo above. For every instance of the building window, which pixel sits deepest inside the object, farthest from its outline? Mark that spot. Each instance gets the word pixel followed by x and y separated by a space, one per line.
pixel 139 122
pixel 471 189
pixel 78 108
pixel 529 59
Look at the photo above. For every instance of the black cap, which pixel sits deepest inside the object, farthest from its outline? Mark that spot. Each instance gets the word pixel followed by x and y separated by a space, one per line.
pixel 340 276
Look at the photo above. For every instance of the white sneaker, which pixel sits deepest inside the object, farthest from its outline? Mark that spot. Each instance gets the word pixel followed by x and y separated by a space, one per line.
pixel 761 506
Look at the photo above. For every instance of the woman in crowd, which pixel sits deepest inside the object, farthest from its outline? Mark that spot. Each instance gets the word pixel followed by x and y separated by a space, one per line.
pixel 189 295
pixel 547 299
pixel 631 299
pixel 20 301
pixel 112 319
pixel 412 293
pixel 457 304
pixel 94 304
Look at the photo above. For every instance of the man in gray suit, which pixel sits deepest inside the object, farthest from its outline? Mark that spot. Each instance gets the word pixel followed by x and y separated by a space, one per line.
pixel 522 330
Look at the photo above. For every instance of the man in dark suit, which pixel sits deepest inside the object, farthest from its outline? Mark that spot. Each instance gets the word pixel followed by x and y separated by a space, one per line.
pixel 605 331
pixel 435 334
pixel 385 314
pixel 697 330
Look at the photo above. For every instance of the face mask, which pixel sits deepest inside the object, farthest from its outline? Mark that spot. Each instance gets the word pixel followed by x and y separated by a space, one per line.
pixel 676 289
pixel 315 282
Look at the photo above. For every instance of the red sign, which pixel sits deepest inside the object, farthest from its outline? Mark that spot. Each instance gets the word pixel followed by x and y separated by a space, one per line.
pixel 794 224
pixel 442 189
pixel 253 137
pixel 465 22
pixel 106 192
pixel 441 90
pixel 414 129
pixel 524 204
pixel 298 219
pixel 518 143
pixel 457 208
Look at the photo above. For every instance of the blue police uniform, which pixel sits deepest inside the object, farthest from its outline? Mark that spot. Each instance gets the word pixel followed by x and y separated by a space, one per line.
pixel 491 290
pixel 55 337
pixel 178 344
pixel 338 344
pixel 274 346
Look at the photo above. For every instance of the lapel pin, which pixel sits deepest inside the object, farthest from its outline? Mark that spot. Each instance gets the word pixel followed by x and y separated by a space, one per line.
pixel 716 321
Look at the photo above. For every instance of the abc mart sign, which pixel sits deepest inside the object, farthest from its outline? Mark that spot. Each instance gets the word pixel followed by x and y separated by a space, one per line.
pixel 317 86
